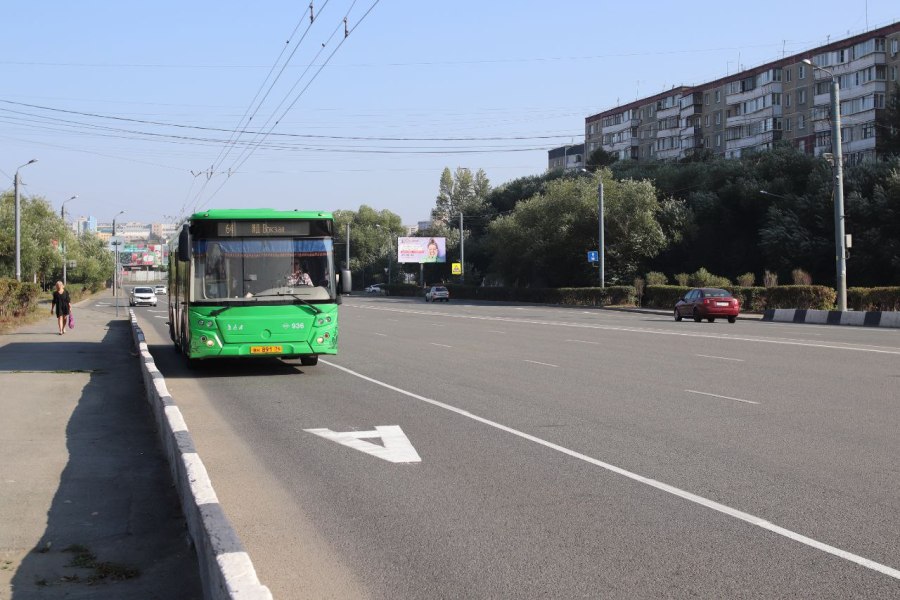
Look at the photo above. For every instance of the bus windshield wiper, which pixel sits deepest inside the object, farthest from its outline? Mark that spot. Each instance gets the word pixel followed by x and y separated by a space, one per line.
pixel 295 296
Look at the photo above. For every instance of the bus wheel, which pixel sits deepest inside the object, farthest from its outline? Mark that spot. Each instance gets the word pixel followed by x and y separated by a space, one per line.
pixel 309 361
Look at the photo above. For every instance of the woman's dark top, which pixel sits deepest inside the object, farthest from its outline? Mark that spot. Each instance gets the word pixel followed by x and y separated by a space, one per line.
pixel 61 303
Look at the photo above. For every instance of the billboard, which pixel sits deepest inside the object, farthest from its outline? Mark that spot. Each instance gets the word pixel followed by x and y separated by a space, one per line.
pixel 421 250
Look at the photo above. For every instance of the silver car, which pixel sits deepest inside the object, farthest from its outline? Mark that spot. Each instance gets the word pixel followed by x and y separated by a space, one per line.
pixel 437 292
pixel 143 295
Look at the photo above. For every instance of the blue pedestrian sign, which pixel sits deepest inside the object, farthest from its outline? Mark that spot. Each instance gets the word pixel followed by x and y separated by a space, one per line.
pixel 593 256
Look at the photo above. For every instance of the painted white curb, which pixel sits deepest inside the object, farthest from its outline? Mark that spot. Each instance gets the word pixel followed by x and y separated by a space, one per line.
pixel 226 570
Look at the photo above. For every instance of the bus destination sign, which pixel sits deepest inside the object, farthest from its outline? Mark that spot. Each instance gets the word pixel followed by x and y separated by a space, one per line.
pixel 262 228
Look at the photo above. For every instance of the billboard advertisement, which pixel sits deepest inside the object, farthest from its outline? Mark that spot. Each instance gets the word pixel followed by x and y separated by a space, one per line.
pixel 421 250
pixel 140 254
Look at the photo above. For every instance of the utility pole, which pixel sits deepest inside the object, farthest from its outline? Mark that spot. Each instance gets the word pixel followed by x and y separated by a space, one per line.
pixel 462 250
pixel 600 233
pixel 19 222
pixel 62 213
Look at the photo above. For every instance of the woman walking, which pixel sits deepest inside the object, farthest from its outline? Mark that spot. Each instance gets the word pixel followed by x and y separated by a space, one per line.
pixel 62 305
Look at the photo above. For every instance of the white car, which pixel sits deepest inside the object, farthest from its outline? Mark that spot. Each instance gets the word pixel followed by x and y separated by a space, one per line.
pixel 143 295
pixel 377 288
pixel 161 289
pixel 437 292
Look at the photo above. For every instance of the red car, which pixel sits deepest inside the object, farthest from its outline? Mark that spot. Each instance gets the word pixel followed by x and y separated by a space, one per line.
pixel 708 303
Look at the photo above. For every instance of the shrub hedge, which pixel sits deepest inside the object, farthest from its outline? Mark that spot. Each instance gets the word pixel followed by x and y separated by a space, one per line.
pixel 877 298
pixel 753 299
pixel 17 299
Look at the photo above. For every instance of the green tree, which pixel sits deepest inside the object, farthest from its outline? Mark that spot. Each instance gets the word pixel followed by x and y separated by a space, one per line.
pixel 887 135
pixel 373 242
pixel 600 158
pixel 543 241
pixel 41 233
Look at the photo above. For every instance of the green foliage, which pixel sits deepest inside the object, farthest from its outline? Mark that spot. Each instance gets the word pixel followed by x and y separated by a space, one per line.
pixel 703 278
pixel 770 279
pixel 373 243
pixel 657 278
pixel 746 280
pixel 877 298
pixel 17 299
pixel 600 158
pixel 888 122
pixel 816 297
pixel 683 279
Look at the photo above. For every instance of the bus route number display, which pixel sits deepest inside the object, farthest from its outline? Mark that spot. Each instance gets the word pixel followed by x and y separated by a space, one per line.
pixel 262 228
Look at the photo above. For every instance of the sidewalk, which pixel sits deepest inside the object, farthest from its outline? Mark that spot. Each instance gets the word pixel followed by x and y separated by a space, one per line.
pixel 82 478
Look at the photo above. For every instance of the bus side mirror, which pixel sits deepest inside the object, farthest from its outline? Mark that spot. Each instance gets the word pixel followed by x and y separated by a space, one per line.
pixel 184 244
pixel 346 282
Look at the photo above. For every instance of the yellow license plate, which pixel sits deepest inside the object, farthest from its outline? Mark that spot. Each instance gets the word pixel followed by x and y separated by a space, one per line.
pixel 265 349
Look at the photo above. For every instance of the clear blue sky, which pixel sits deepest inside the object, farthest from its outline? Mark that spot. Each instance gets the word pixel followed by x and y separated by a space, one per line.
pixel 526 73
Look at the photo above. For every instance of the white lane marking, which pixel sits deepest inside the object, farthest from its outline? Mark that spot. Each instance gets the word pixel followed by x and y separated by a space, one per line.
pixel 441 345
pixel 728 337
pixel 103 304
pixel 584 342
pixel 720 357
pixel 665 487
pixel 438 324
pixel 540 363
pixel 381 334
pixel 160 317
pixel 495 331
pixel 724 397
pixel 396 446
pixel 394 320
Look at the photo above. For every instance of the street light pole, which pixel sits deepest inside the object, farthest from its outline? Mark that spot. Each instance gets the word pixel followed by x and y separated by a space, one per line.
pixel 600 233
pixel 116 262
pixel 840 239
pixel 462 251
pixel 62 213
pixel 19 222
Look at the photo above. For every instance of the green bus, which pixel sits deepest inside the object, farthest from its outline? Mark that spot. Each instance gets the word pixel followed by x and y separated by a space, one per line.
pixel 255 283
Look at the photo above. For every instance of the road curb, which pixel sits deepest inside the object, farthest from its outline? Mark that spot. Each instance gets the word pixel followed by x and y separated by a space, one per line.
pixel 834 317
pixel 226 570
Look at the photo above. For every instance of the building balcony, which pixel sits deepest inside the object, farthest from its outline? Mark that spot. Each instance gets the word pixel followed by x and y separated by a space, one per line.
pixel 626 124
pixel 669 112
pixel 751 141
pixel 668 154
pixel 772 87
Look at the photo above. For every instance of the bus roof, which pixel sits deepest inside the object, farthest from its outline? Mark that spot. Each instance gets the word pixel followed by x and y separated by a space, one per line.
pixel 259 213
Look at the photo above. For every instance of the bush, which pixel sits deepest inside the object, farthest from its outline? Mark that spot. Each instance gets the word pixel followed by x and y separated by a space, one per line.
pixel 402 289
pixel 801 277
pixel 657 278
pixel 683 279
pixel 703 278
pixel 877 298
pixel 814 297
pixel 746 280
pixel 664 296
pixel 752 298
pixel 770 279
pixel 17 299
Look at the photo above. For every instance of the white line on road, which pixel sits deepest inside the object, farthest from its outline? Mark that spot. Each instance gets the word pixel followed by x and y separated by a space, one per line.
pixel 724 397
pixel 160 317
pixel 441 345
pixel 495 331
pixel 665 487
pixel 583 342
pixel 381 334
pixel 540 363
pixel 720 357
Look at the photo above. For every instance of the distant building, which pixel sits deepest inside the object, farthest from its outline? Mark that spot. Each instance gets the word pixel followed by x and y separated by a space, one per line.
pixel 163 231
pixel 566 158
pixel 423 225
pixel 752 110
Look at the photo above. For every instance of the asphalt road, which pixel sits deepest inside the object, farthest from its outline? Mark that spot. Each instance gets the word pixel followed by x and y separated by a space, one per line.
pixel 564 453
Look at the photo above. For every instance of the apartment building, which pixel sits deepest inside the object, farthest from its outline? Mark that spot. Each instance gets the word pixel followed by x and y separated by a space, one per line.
pixel 566 157
pixel 751 110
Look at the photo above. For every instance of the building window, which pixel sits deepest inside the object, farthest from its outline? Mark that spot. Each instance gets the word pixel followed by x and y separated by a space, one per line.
pixel 707 120
pixel 787 124
pixel 787 100
pixel 718 96
pixel 801 72
pixel 718 117
pixel 801 122
pixel 705 98
pixel 718 140
pixel 787 74
pixel 801 96
pixel 894 73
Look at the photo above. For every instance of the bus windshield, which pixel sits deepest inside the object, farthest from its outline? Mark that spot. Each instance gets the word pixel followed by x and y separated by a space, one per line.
pixel 270 269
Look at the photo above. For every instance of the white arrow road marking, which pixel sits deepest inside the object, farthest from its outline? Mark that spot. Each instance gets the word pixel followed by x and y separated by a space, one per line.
pixel 397 447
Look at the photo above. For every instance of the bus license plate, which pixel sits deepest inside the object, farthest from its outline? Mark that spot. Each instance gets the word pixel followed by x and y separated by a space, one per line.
pixel 265 349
